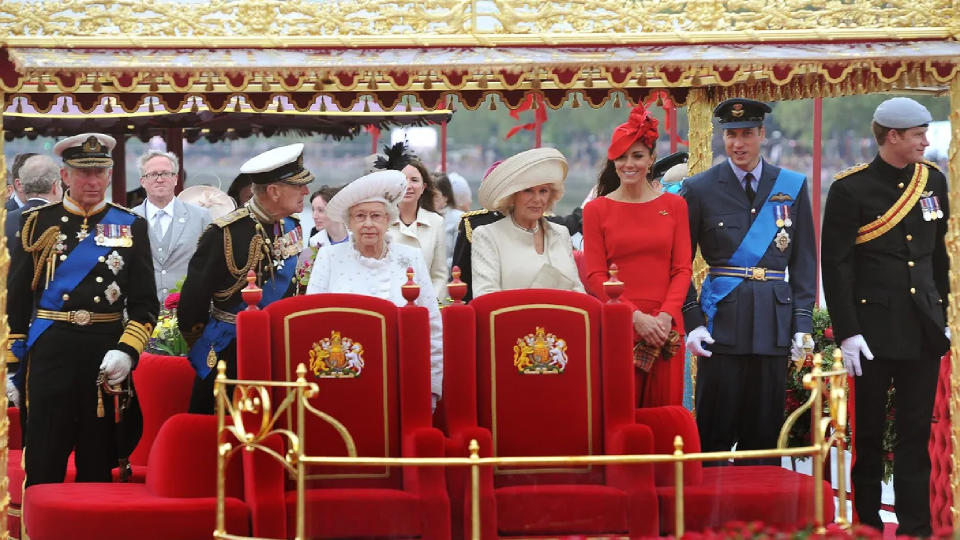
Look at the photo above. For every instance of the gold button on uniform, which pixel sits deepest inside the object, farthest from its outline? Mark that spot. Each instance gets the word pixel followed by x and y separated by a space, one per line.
pixel 910 264
pixel 99 279
pixel 64 219
pixel 66 297
pixel 720 224
pixel 102 259
pixel 96 299
pixel 863 300
pixel 63 257
pixel 909 238
pixel 913 290
pixel 753 210
pixel 900 185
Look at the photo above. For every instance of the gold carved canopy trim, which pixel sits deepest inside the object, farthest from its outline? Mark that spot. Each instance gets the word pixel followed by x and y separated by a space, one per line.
pixel 364 23
pixel 428 77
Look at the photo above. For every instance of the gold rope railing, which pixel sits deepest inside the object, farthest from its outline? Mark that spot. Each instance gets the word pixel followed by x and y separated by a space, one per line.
pixel 831 384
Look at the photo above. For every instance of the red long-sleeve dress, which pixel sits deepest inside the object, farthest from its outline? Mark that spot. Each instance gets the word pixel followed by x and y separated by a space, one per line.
pixel 650 243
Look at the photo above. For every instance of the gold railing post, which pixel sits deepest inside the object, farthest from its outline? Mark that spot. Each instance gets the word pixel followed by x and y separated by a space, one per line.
pixel 953 315
pixel 474 490
pixel 678 487
pixel 816 414
pixel 219 391
pixel 4 336
pixel 301 468
pixel 841 422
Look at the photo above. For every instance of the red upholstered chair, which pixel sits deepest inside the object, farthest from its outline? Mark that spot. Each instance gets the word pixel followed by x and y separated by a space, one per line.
pixel 511 384
pixel 178 499
pixel 714 496
pixel 940 450
pixel 163 386
pixel 385 407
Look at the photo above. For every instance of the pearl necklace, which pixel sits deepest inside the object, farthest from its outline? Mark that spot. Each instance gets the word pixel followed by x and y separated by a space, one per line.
pixel 531 230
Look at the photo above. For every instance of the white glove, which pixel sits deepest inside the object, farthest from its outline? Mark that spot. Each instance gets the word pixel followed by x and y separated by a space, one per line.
pixel 116 364
pixel 13 395
pixel 852 348
pixel 695 340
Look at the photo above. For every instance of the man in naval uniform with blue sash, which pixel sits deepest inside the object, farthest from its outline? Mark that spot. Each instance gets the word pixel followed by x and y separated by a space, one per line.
pixel 886 281
pixel 81 302
pixel 754 227
pixel 260 236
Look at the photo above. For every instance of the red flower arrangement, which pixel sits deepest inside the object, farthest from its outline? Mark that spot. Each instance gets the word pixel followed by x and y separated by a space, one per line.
pixel 170 303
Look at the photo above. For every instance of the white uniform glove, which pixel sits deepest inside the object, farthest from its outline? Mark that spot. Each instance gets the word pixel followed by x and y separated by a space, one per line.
pixel 116 364
pixel 695 340
pixel 852 348
pixel 13 395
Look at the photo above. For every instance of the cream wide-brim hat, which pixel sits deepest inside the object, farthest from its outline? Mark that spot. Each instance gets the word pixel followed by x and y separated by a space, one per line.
pixel 524 170
pixel 215 201
pixel 379 186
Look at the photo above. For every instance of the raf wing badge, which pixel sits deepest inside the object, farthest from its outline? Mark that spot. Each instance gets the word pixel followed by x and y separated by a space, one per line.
pixel 540 353
pixel 336 357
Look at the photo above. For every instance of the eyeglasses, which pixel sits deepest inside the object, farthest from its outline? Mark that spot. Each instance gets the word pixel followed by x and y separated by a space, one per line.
pixel 362 217
pixel 165 175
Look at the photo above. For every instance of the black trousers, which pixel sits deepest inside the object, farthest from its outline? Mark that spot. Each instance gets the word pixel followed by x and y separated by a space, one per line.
pixel 740 399
pixel 201 398
pixel 62 400
pixel 916 387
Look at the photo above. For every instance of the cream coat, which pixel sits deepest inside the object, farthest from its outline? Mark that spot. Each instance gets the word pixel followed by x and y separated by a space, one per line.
pixel 504 258
pixel 427 235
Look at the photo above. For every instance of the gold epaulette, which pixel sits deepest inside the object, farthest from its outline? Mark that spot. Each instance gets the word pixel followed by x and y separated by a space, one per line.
pixel 931 164
pixel 847 172
pixel 124 208
pixel 236 215
pixel 474 213
pixel 41 207
pixel 467 226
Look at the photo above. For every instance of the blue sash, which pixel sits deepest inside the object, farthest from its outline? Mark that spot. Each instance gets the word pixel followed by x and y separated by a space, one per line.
pixel 218 334
pixel 71 272
pixel 753 246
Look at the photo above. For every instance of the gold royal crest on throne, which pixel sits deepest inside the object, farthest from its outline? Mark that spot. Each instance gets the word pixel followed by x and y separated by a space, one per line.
pixel 336 357
pixel 540 353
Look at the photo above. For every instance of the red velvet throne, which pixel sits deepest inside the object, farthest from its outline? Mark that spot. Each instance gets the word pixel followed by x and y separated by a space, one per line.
pixel 507 385
pixel 384 403
pixel 714 496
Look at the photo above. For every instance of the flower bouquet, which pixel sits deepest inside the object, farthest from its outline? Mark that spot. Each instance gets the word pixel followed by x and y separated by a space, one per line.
pixel 166 338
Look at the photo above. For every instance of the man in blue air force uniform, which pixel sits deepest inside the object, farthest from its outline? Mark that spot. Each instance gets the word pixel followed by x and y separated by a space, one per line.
pixel 81 302
pixel 885 277
pixel 260 236
pixel 752 222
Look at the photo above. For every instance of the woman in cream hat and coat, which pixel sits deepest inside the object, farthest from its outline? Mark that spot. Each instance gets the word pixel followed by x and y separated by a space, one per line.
pixel 524 250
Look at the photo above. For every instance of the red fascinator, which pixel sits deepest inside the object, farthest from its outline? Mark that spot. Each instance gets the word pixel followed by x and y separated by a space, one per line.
pixel 640 126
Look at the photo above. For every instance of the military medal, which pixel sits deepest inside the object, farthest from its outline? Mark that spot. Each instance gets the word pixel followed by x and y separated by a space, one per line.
pixel 936 206
pixel 110 235
pixel 782 240
pixel 786 216
pixel 778 212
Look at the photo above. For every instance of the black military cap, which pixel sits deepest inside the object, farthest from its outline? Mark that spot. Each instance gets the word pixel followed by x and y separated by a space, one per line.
pixel 664 164
pixel 741 113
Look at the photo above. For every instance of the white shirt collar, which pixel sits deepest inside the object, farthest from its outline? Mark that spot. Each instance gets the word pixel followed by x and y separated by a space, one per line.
pixel 152 209
pixel 741 173
pixel 17 200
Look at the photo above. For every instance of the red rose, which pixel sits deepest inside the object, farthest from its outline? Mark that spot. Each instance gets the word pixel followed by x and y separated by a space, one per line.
pixel 828 332
pixel 170 303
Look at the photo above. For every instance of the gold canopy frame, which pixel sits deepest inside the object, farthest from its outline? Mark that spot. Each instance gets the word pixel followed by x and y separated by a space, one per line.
pixel 476 51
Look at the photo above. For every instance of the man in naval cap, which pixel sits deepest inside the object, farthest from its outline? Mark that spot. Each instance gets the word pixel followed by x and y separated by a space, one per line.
pixel 885 277
pixel 752 222
pixel 82 306
pixel 263 236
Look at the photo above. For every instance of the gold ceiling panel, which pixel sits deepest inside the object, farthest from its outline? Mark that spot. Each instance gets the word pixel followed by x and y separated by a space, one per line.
pixel 356 23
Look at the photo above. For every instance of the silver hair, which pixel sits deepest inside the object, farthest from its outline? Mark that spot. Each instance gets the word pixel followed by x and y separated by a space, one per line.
pixel 142 161
pixel 38 175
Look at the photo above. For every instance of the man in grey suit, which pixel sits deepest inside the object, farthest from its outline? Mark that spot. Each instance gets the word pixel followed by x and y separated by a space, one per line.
pixel 175 226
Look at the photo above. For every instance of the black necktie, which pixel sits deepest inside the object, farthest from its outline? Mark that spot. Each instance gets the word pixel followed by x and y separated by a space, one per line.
pixel 748 187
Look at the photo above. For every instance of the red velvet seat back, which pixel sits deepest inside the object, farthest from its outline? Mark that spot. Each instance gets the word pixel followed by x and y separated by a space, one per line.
pixel 539 380
pixel 349 344
pixel 666 423
pixel 163 386
pixel 190 470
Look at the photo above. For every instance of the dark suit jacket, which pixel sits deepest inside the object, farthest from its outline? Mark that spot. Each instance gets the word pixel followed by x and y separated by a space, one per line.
pixel 12 224
pixel 893 289
pixel 11 204
pixel 758 317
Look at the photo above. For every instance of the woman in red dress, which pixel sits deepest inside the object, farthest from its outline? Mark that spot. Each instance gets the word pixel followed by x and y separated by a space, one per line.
pixel 646 233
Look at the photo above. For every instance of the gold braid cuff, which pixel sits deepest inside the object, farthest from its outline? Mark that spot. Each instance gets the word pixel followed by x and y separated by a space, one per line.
pixel 254 256
pixel 899 210
pixel 136 335
pixel 41 249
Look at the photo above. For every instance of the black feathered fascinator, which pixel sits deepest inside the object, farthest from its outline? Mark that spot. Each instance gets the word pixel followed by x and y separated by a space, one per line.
pixel 395 158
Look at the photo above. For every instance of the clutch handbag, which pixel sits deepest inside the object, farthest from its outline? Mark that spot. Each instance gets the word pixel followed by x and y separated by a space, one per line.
pixel 644 355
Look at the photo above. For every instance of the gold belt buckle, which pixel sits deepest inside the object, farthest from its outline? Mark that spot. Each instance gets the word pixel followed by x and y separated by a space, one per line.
pixel 758 274
pixel 80 317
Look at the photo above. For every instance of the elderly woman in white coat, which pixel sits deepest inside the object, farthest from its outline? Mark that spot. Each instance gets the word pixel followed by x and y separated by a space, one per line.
pixel 523 250
pixel 370 262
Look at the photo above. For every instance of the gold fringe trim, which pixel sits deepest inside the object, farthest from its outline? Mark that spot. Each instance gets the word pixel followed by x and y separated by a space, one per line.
pixel 899 210
pixel 41 249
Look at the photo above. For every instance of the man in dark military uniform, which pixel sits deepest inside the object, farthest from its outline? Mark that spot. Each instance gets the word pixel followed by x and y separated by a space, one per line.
pixel 81 303
pixel 260 236
pixel 885 276
pixel 752 221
